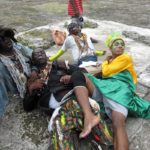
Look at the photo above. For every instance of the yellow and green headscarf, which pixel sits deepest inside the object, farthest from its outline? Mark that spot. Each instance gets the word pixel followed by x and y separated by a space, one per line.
pixel 111 38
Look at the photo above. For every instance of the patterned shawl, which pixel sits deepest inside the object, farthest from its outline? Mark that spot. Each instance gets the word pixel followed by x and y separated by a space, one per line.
pixel 18 77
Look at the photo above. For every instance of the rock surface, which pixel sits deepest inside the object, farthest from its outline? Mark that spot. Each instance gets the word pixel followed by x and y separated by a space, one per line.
pixel 28 131
pixel 27 14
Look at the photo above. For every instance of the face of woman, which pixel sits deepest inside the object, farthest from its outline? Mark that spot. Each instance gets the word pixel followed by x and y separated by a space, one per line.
pixel 6 44
pixel 118 47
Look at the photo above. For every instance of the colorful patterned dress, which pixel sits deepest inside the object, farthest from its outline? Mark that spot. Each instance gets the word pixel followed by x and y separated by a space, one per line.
pixel 66 124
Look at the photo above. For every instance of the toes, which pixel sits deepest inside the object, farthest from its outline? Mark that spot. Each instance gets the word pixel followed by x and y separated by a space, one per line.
pixel 85 132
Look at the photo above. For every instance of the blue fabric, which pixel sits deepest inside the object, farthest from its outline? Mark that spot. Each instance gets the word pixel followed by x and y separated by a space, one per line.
pixel 6 82
pixel 6 85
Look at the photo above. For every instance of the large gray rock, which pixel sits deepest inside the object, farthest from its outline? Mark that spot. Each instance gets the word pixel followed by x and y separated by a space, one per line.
pixel 138 132
pixel 144 77
pixel 38 37
pixel 137 37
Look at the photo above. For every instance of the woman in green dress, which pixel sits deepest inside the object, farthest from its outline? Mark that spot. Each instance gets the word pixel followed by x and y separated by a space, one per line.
pixel 118 84
pixel 114 91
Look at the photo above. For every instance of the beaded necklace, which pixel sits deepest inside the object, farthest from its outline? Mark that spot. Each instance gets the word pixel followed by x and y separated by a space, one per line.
pixel 79 40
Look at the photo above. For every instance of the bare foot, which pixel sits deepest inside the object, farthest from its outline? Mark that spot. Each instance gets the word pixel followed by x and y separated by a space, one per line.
pixel 89 123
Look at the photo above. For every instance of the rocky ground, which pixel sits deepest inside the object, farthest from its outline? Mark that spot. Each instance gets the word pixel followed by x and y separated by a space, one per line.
pixel 27 14
pixel 28 131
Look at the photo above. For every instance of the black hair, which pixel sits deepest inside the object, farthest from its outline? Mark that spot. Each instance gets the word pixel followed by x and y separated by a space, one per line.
pixel 7 32
pixel 71 26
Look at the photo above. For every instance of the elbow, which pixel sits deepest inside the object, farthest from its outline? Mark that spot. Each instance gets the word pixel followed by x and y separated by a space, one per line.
pixel 105 73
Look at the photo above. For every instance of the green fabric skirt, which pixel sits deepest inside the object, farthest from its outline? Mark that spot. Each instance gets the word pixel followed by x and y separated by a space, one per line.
pixel 121 89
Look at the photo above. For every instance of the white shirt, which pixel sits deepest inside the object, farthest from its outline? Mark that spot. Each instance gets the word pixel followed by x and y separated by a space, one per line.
pixel 70 44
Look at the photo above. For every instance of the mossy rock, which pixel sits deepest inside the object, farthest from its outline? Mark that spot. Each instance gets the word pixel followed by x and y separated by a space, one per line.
pixel 87 24
pixel 90 24
pixel 36 38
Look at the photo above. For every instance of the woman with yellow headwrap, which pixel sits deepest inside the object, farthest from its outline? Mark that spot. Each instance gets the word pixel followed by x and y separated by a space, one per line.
pixel 118 88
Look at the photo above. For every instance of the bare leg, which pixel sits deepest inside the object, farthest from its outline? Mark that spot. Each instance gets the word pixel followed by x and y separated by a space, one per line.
pixel 89 86
pixel 83 87
pixel 90 120
pixel 120 134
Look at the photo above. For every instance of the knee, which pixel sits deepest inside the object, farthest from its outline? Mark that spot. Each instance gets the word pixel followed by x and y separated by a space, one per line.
pixel 118 124
pixel 118 120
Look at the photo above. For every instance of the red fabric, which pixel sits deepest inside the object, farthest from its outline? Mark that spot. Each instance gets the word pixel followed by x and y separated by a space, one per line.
pixel 97 137
pixel 78 5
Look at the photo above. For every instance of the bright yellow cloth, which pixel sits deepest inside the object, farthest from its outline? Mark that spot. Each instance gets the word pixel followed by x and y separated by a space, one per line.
pixel 119 64
pixel 57 55
pixel 99 52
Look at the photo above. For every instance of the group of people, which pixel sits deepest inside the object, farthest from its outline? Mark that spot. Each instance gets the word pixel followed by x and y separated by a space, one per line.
pixel 80 46
pixel 14 66
pixel 73 97
pixel 114 90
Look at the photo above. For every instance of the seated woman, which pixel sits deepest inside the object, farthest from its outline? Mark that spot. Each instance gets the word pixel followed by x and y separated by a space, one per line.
pixel 118 85
pixel 14 66
pixel 80 46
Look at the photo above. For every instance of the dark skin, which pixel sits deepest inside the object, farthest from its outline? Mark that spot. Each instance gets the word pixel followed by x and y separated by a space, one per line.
pixel 6 46
pixel 39 57
pixel 40 60
pixel 76 30
pixel 90 119
pixel 6 41
pixel 36 81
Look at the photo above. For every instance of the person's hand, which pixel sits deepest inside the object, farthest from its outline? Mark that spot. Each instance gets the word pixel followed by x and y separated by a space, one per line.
pixel 33 75
pixel 37 84
pixel 65 79
pixel 61 64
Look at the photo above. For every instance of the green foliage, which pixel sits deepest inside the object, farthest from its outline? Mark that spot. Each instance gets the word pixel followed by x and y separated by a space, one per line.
pixel 90 24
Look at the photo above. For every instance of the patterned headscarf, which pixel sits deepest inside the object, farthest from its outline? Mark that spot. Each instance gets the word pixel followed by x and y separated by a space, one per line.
pixel 113 37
